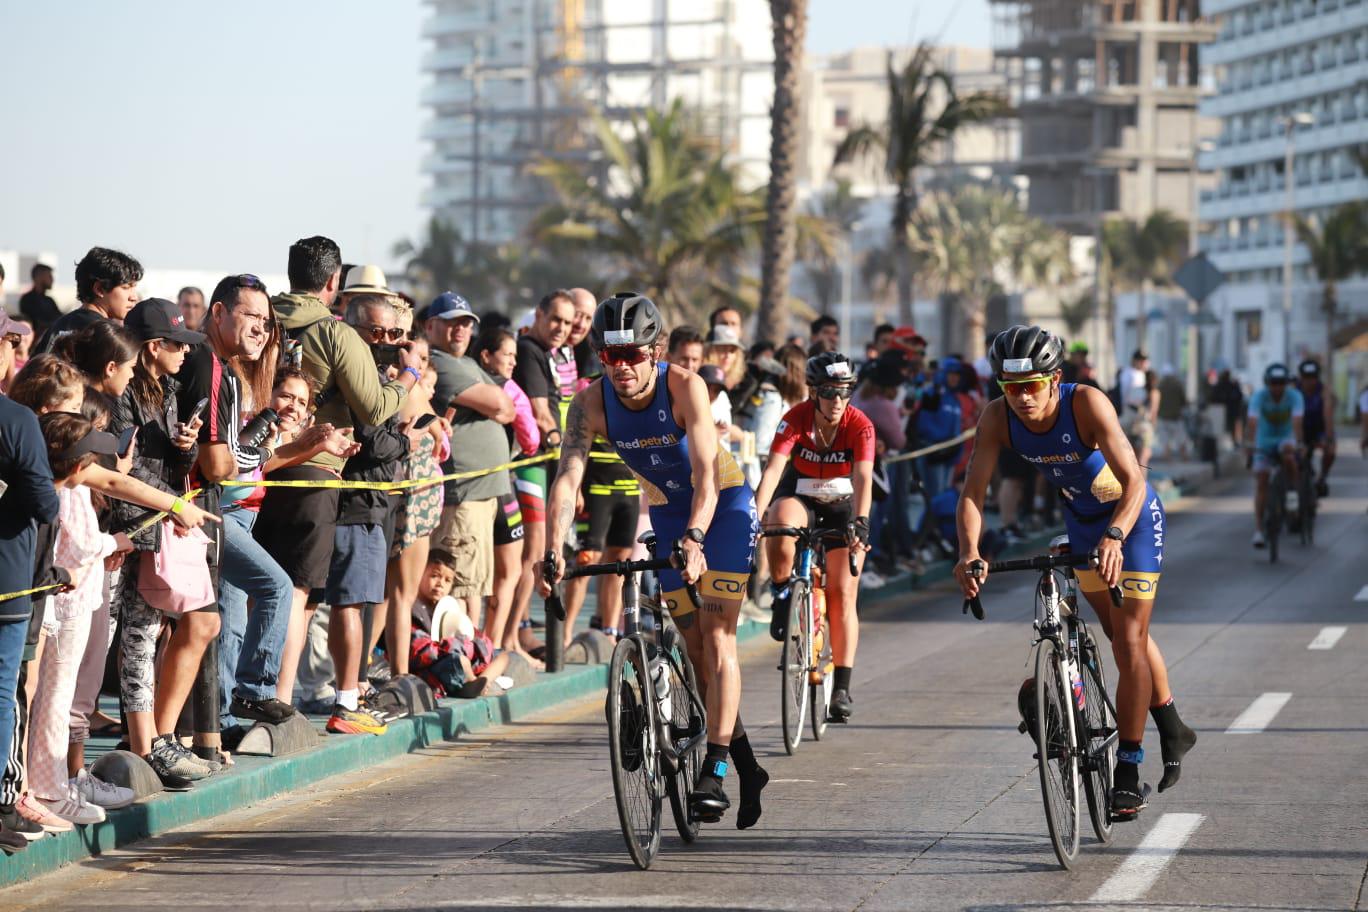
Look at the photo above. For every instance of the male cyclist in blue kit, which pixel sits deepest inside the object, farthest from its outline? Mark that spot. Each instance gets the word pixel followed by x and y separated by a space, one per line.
pixel 659 420
pixel 1318 420
pixel 1274 423
pixel 1071 433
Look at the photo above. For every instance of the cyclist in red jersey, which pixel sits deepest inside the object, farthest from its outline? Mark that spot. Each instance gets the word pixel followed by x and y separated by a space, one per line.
pixel 821 470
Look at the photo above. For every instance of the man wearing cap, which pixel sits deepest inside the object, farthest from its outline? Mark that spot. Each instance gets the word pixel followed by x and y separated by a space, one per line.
pixel 297 525
pixel 478 409
pixel 1318 422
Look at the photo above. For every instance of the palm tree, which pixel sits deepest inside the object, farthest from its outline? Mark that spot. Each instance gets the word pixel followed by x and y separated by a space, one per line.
pixel 924 111
pixel 1144 254
pixel 444 260
pixel 662 207
pixel 978 241
pixel 789 26
pixel 840 209
pixel 1338 249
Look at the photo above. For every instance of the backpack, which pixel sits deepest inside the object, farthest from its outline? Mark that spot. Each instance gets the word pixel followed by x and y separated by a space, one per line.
pixel 438 663
pixel 938 419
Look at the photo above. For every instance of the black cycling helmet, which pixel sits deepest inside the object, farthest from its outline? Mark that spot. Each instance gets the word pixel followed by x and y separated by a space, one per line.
pixel 829 369
pixel 1024 349
pixel 1309 368
pixel 627 318
pixel 1277 371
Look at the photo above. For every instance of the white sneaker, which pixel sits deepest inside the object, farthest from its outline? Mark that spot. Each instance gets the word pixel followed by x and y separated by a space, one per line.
pixel 75 809
pixel 103 794
pixel 870 579
pixel 1258 540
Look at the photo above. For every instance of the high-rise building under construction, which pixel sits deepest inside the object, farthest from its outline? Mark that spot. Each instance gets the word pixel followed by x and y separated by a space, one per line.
pixel 512 81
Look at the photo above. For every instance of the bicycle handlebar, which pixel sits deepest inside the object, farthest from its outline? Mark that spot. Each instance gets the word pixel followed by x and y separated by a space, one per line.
pixel 811 535
pixel 617 568
pixel 1041 563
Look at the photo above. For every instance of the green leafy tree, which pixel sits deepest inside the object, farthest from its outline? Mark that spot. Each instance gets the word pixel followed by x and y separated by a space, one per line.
pixel 789 24
pixel 976 241
pixel 1142 255
pixel 443 260
pixel 1339 250
pixel 839 209
pixel 925 110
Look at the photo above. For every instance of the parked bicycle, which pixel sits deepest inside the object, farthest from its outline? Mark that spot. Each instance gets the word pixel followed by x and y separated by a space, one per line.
pixel 657 723
pixel 1067 710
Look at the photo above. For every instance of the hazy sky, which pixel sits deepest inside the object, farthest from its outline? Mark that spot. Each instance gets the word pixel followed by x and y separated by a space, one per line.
pixel 210 136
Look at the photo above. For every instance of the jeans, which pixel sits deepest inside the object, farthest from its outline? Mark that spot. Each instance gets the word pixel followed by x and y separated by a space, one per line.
pixel 249 644
pixel 12 636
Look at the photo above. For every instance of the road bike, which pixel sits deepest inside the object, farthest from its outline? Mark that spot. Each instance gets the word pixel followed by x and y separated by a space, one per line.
pixel 1276 515
pixel 1071 718
pixel 805 664
pixel 657 723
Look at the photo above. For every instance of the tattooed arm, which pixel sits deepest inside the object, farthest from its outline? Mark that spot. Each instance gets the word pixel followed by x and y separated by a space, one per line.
pixel 582 422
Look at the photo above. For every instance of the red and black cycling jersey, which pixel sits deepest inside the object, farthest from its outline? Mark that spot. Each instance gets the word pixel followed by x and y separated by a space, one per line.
pixel 853 442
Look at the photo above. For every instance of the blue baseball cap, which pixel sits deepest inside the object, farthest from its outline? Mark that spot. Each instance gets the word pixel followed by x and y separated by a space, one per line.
pixel 450 306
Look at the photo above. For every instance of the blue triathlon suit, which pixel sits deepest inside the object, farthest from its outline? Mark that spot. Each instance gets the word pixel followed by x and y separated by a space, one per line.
pixel 656 449
pixel 1090 491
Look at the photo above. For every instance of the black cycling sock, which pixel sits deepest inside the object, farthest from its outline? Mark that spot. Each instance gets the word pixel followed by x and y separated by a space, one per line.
pixel 842 677
pixel 1127 775
pixel 715 763
pixel 777 587
pixel 743 756
pixel 1175 740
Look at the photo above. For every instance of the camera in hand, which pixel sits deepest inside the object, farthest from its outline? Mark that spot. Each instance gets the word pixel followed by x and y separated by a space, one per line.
pixel 256 430
pixel 386 355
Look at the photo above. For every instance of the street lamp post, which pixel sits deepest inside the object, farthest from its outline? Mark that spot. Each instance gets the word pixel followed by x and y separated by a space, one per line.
pixel 1289 125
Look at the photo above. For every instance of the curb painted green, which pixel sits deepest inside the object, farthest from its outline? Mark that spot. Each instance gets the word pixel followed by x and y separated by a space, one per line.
pixel 255 779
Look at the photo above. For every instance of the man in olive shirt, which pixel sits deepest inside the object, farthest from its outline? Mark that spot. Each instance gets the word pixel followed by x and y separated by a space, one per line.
pixel 478 409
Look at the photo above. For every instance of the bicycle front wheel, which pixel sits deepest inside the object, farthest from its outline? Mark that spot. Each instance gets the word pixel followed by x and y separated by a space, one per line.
pixel 794 662
pixel 1054 725
pixel 1098 741
pixel 631 749
pixel 686 722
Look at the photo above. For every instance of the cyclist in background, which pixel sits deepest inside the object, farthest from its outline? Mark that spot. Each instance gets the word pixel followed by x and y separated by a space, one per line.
pixel 1071 433
pixel 1274 424
pixel 658 418
pixel 821 473
pixel 1318 420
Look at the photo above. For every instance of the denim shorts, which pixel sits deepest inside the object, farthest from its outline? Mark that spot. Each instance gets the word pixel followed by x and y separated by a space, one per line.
pixel 357 574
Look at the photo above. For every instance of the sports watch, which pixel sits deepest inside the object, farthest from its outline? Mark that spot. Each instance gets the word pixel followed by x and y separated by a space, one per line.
pixel 1115 533
pixel 695 535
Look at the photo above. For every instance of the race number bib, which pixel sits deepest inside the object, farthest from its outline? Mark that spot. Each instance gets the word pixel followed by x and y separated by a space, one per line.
pixel 825 490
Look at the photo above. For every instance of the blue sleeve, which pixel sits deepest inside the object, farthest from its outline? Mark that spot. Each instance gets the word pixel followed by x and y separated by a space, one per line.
pixel 30 483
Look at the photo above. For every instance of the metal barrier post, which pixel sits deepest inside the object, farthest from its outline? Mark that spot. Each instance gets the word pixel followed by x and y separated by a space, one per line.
pixel 204 703
pixel 555 642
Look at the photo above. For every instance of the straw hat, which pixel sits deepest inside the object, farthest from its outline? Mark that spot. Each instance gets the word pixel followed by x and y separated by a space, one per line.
pixel 366 279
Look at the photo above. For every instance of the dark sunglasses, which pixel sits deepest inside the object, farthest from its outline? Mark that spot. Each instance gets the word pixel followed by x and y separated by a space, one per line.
pixel 380 334
pixel 624 354
pixel 835 392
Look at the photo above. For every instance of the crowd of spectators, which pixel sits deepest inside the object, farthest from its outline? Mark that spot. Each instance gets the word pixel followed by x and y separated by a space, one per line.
pixel 219 500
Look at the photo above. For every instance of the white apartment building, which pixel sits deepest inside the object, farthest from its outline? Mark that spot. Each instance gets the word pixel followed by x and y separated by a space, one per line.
pixel 511 81
pixel 1278 60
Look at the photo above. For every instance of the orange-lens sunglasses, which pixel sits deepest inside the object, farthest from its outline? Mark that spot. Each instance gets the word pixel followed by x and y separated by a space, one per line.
pixel 1026 385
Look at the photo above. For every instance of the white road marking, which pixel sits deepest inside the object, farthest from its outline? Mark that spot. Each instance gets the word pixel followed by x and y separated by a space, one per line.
pixel 1143 866
pixel 1362 595
pixel 1328 637
pixel 1261 712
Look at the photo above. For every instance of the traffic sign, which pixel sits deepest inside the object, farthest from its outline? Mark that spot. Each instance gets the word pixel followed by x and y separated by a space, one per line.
pixel 1199 277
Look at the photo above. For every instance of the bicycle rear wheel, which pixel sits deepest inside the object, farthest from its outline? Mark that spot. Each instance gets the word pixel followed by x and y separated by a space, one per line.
pixel 793 664
pixel 685 722
pixel 1058 763
pixel 631 749
pixel 1099 721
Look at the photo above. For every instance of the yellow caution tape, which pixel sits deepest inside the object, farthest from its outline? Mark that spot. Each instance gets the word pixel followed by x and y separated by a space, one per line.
pixel 394 487
pixel 14 595
pixel 943 445
pixel 158 517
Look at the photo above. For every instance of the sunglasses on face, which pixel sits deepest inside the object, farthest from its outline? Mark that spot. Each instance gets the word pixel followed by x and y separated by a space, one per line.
pixel 169 345
pixel 835 392
pixel 624 355
pixel 380 333
pixel 1031 386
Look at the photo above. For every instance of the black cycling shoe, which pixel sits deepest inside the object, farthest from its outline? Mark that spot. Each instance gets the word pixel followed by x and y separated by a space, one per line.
pixel 748 812
pixel 842 706
pixel 780 607
pixel 1126 805
pixel 1322 489
pixel 707 801
pixel 1174 750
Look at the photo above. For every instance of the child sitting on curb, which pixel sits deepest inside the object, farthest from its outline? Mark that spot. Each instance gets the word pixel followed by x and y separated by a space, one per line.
pixel 441 617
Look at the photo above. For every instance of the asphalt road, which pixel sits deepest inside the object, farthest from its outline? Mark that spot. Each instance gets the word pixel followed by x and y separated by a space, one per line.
pixel 927 800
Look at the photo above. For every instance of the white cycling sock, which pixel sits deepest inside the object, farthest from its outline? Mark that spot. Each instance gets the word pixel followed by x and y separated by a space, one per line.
pixel 349 698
